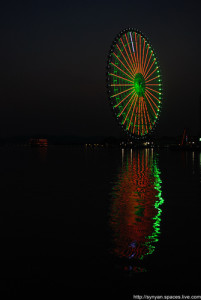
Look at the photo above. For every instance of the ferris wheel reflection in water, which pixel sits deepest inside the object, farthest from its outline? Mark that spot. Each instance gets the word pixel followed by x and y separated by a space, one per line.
pixel 135 212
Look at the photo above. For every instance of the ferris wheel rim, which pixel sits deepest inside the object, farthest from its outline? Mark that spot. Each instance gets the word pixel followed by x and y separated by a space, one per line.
pixel 129 73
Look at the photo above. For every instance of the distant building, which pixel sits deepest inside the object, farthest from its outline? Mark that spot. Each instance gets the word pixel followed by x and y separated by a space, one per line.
pixel 37 142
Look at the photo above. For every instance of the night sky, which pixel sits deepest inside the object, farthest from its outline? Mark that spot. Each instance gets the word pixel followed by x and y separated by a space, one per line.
pixel 53 64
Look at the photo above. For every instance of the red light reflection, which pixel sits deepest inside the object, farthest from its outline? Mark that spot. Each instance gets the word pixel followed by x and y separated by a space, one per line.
pixel 133 205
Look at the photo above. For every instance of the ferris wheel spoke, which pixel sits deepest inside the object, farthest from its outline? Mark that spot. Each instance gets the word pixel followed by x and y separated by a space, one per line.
pixel 145 60
pixel 141 122
pixel 132 74
pixel 120 77
pixel 152 79
pixel 149 68
pixel 123 99
pixel 121 70
pixel 130 50
pixel 152 101
pixel 147 96
pixel 131 66
pixel 136 98
pixel 138 120
pixel 121 92
pixel 151 84
pixel 148 62
pixel 151 73
pixel 147 114
pixel 140 54
pixel 119 115
pixel 129 109
pixel 153 90
pixel 143 55
pixel 153 96
pixel 139 114
pixel 141 118
pixel 136 50
pixel 135 120
pixel 148 118
pixel 145 117
pixel 120 84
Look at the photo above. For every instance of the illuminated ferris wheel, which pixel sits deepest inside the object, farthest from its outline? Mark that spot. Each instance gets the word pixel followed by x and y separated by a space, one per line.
pixel 134 83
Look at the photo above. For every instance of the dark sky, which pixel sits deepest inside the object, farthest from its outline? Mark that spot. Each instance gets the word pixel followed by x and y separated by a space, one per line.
pixel 53 63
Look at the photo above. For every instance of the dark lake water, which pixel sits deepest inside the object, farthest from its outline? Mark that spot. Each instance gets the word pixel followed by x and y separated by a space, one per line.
pixel 104 219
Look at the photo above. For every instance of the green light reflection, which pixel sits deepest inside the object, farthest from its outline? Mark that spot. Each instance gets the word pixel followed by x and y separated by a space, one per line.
pixel 135 214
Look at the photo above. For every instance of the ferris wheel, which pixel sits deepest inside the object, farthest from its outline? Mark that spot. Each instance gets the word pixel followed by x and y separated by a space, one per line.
pixel 134 83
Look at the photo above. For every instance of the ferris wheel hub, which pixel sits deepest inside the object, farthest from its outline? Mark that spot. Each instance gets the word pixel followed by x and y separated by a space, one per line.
pixel 139 84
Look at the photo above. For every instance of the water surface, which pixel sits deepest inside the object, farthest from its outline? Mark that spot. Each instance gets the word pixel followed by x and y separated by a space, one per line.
pixel 76 217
